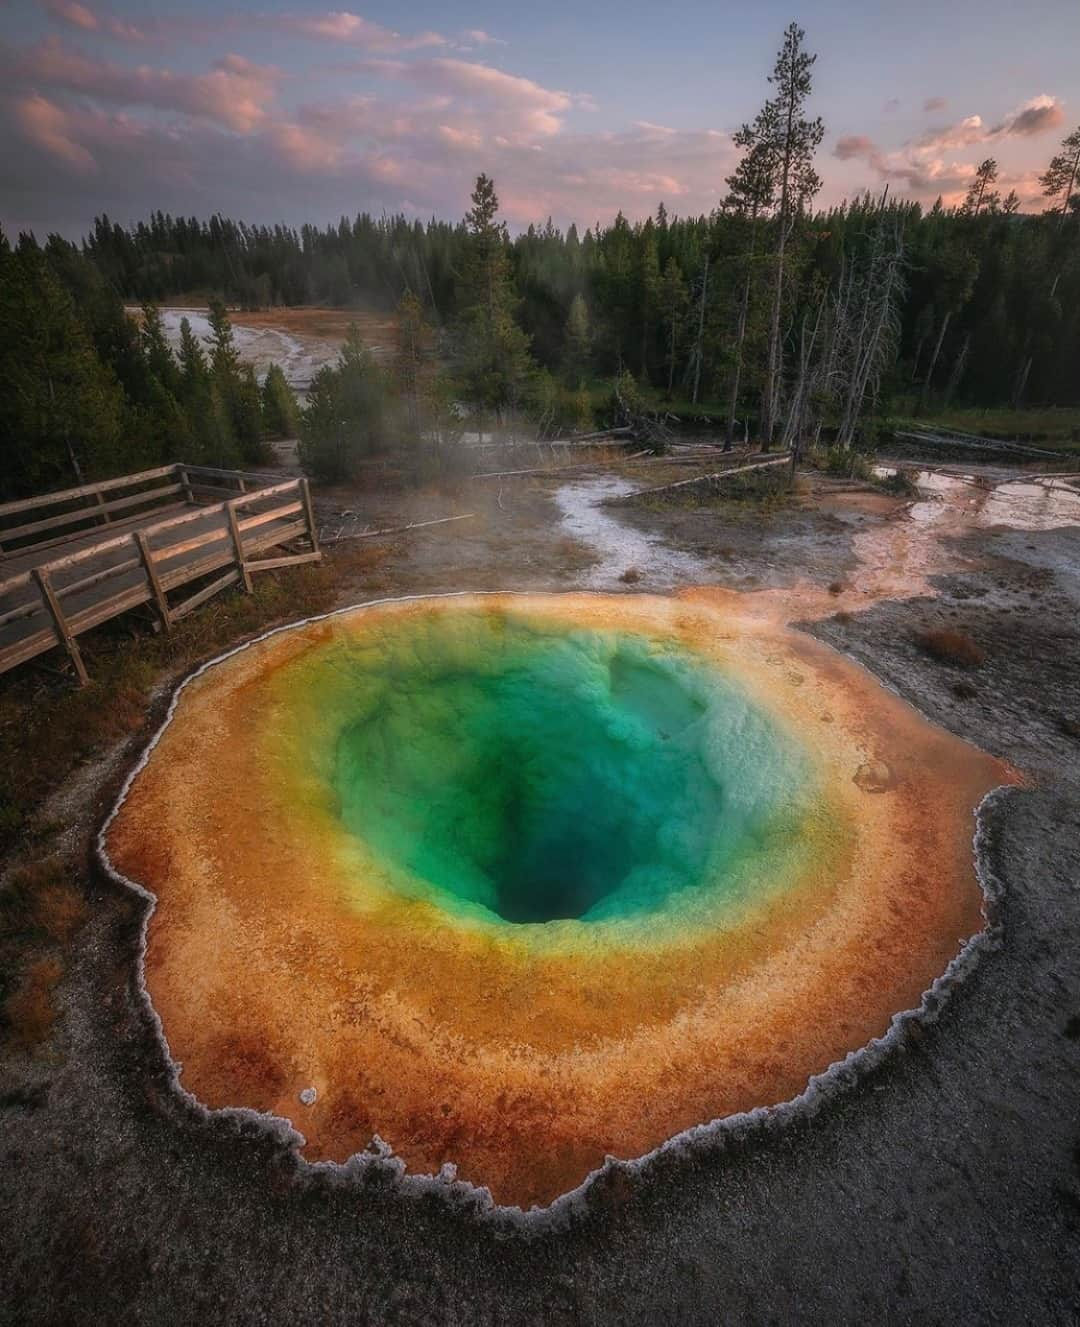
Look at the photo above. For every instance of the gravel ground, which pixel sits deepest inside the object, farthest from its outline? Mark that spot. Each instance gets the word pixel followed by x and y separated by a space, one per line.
pixel 943 1187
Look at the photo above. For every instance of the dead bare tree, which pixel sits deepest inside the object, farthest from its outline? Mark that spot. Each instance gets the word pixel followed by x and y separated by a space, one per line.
pixel 872 324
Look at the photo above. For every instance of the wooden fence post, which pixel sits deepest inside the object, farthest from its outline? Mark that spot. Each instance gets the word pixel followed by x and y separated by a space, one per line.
pixel 238 545
pixel 60 623
pixel 101 503
pixel 185 483
pixel 155 584
pixel 305 490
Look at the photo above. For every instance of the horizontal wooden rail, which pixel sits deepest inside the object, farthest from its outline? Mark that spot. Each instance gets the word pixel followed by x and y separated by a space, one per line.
pixel 271 564
pixel 88 582
pixel 252 522
pixel 208 592
pixel 227 474
pixel 85 491
pixel 89 513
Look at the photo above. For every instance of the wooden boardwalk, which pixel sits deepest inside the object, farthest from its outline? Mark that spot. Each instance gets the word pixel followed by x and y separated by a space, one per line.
pixel 72 560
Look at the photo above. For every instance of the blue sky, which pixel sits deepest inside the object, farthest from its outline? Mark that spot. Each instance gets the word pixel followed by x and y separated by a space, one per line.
pixel 299 111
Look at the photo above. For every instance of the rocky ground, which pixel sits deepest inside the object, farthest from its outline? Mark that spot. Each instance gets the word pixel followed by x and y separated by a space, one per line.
pixel 942 1187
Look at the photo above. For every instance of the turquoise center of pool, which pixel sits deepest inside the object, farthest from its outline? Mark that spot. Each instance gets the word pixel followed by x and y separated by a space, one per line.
pixel 535 774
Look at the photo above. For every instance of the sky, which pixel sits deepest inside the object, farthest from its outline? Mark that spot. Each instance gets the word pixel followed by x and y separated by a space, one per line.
pixel 297 112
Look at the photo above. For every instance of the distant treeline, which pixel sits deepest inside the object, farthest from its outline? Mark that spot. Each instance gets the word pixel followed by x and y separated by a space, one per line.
pixel 991 305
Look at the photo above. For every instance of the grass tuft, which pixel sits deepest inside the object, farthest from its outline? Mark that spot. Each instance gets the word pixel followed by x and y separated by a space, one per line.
pixel 30 1010
pixel 951 647
pixel 39 900
pixel 630 576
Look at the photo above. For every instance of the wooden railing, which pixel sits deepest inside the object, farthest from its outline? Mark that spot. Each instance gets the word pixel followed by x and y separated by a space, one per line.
pixel 70 594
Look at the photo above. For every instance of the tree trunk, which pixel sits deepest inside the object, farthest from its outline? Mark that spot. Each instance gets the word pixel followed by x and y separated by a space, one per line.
pixel 700 331
pixel 67 439
pixel 740 337
pixel 775 362
pixel 918 359
pixel 934 359
pixel 1021 382
pixel 1069 191
pixel 958 370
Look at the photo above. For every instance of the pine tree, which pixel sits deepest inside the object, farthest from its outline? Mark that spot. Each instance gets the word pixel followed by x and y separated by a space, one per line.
pixel 412 349
pixel 648 286
pixel 785 140
pixel 247 422
pixel 1060 180
pixel 193 370
pixel 346 419
pixel 224 360
pixel 674 299
pixel 578 343
pixel 751 195
pixel 280 414
pixel 981 194
pixel 160 359
pixel 63 417
pixel 205 405
pixel 492 357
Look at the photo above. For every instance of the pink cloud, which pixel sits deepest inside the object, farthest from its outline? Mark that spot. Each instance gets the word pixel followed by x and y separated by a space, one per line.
pixel 853 145
pixel 345 28
pixel 79 16
pixel 478 37
pixel 525 108
pixel 927 164
pixel 47 126
pixel 236 92
pixel 1033 117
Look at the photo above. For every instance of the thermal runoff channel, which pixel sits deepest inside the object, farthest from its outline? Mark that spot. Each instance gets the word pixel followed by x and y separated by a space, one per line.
pixel 515 883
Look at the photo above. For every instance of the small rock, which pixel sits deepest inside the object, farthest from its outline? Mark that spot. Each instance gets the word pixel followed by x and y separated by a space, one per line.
pixel 307 1096
pixel 875 777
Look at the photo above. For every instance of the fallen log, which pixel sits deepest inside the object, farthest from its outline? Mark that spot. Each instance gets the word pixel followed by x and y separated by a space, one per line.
pixel 622 431
pixel 397 529
pixel 971 441
pixel 559 469
pixel 703 479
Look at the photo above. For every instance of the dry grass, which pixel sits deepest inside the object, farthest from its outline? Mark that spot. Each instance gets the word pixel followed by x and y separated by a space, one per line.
pixel 836 587
pixel 630 576
pixel 951 647
pixel 41 909
pixel 39 900
pixel 30 1011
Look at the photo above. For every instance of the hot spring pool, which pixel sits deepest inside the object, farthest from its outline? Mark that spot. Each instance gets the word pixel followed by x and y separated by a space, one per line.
pixel 519 882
